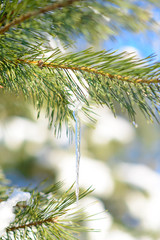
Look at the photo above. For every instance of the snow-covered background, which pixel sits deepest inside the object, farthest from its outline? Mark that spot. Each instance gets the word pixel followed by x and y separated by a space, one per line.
pixel 119 159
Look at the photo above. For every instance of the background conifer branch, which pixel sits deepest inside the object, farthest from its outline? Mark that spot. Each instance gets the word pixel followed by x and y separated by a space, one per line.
pixel 35 13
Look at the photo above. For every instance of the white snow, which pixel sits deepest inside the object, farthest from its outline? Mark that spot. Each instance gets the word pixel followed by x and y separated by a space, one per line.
pixel 102 220
pixel 93 172
pixel 109 128
pixel 145 208
pixel 18 130
pixel 119 235
pixel 7 215
pixel 140 176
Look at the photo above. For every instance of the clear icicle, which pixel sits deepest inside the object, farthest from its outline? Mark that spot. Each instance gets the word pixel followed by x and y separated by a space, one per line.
pixel 135 124
pixel 77 144
pixel 74 107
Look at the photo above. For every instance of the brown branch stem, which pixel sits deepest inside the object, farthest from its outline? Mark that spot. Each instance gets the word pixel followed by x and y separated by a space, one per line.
pixel 32 224
pixel 35 13
pixel 90 70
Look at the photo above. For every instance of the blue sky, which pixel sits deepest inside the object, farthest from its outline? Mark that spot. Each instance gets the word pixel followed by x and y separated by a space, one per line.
pixel 146 43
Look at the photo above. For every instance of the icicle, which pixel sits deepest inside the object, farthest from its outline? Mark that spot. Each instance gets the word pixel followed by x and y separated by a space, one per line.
pixel 74 106
pixel 135 124
pixel 77 144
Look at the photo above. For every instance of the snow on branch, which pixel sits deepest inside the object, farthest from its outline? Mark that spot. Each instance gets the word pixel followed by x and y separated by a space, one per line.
pixel 7 215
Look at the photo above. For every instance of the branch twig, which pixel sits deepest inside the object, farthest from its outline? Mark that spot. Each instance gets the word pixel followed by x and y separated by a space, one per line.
pixel 91 70
pixel 32 224
pixel 35 13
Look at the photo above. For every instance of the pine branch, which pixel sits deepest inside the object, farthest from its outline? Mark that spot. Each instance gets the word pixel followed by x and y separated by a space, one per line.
pixel 35 13
pixel 48 214
pixel 42 64
pixel 32 224
pixel 111 78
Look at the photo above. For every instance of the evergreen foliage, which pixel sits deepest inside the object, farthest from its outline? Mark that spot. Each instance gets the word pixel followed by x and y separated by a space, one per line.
pixel 31 68
pixel 48 215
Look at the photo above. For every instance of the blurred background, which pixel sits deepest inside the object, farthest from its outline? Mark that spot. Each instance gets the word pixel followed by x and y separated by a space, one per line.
pixel 119 159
